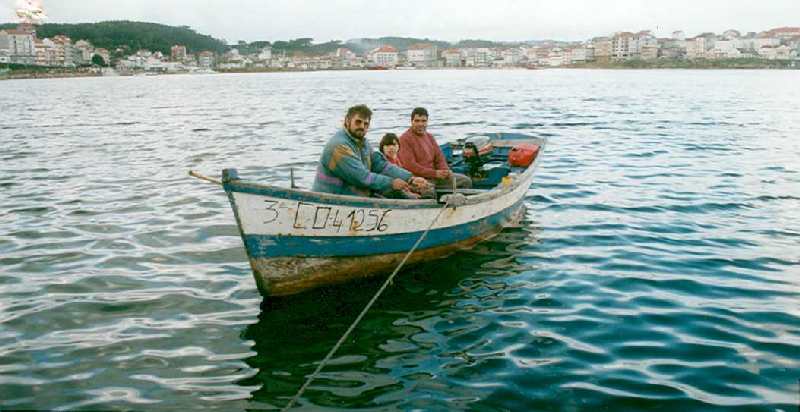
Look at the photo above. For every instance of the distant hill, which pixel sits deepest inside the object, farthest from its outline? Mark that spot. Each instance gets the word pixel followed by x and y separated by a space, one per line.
pixel 402 43
pixel 131 35
pixel 399 43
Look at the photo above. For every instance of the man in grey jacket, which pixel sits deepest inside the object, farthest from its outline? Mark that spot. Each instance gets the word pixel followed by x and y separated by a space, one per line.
pixel 349 165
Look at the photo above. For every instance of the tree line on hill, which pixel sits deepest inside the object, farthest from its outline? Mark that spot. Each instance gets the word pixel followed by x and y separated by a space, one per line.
pixel 132 36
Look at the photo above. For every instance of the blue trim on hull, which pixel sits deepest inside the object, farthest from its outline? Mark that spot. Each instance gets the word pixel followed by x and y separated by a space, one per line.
pixel 268 246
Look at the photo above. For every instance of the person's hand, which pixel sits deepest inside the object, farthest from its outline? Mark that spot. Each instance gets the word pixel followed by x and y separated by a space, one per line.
pixel 442 174
pixel 419 182
pixel 399 184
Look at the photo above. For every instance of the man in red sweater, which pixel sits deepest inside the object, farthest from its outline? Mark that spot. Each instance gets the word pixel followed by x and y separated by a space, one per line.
pixel 421 156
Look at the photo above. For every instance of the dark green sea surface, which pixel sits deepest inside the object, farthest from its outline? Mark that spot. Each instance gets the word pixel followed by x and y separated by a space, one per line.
pixel 657 268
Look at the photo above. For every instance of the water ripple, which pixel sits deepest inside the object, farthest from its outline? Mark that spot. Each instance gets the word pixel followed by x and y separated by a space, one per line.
pixel 656 267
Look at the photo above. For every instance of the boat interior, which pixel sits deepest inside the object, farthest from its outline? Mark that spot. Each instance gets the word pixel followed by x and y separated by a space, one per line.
pixel 486 159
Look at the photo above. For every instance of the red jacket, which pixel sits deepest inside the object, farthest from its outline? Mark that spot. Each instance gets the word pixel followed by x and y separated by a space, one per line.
pixel 396 161
pixel 421 155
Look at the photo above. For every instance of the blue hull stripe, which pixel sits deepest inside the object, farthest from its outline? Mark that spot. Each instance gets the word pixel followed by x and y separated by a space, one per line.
pixel 269 246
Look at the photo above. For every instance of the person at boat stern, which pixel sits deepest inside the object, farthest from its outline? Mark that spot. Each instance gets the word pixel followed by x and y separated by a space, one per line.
pixel 420 154
pixel 349 165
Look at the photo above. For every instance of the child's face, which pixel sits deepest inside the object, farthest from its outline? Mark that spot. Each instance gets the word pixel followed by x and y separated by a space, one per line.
pixel 391 149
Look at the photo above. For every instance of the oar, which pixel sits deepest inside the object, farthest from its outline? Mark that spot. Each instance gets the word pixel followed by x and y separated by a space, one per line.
pixel 192 173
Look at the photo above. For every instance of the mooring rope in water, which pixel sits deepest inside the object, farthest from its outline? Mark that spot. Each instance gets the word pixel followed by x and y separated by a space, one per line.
pixel 369 305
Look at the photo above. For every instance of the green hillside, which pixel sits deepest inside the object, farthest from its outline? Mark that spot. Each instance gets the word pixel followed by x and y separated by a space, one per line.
pixel 400 43
pixel 131 35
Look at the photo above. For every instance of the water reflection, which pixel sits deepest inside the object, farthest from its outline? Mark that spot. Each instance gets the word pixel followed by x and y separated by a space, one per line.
pixel 420 324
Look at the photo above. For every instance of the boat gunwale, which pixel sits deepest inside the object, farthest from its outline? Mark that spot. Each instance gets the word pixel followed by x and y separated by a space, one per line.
pixel 243 186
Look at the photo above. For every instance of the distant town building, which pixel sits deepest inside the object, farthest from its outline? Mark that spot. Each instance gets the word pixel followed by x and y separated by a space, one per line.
pixel 265 54
pixel 344 58
pixel 477 57
pixel 452 58
pixel 725 49
pixel 344 53
pixel 775 52
pixel 66 53
pixel 5 41
pixel 19 44
pixel 580 55
pixel 205 59
pixel 648 51
pixel 384 56
pixel 177 53
pixel 602 49
pixel 696 48
pixel 731 34
pixel 422 55
pixel 84 52
pixel 783 33
pixel 104 54
pixel 623 46
pixel 45 52
pixel 511 57
pixel 556 57
pixel 671 48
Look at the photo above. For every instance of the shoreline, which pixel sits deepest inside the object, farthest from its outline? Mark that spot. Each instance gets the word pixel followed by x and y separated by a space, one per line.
pixel 780 65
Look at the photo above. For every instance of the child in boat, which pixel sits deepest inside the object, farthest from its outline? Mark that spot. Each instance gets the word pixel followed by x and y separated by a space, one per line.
pixel 390 147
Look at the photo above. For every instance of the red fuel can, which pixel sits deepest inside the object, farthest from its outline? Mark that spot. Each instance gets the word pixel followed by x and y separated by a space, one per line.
pixel 523 154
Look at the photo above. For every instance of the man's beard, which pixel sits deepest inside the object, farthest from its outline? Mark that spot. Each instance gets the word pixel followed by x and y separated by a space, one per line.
pixel 359 133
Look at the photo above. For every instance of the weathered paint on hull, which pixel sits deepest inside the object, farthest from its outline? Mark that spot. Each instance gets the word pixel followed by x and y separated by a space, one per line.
pixel 289 275
pixel 297 240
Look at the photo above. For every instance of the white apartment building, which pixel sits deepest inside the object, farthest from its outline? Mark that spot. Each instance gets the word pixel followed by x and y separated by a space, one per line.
pixel 580 55
pixel 512 57
pixel 696 48
pixel 624 46
pixel 19 45
pixel 776 52
pixel 384 56
pixel 602 48
pixel 477 57
pixel 557 57
pixel 5 41
pixel 452 57
pixel 46 53
pixel 83 52
pixel 422 55
pixel 725 49
pixel 66 53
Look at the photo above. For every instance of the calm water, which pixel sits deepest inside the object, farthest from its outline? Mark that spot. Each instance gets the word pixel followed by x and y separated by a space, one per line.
pixel 658 266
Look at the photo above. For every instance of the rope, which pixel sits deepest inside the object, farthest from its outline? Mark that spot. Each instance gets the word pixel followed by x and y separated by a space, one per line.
pixel 363 312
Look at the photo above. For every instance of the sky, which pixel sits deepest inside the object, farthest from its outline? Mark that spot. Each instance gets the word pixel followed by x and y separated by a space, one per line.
pixel 448 20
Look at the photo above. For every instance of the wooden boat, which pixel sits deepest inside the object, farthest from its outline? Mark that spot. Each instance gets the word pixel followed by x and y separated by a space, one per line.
pixel 297 239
